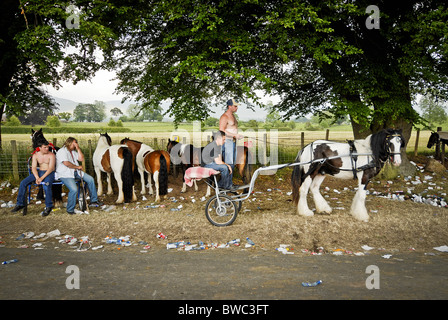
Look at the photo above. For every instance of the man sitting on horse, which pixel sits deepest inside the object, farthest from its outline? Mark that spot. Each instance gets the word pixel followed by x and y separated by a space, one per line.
pixel 68 171
pixel 212 158
pixel 45 161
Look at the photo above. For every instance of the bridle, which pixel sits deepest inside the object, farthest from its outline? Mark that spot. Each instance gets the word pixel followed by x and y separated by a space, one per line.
pixel 387 142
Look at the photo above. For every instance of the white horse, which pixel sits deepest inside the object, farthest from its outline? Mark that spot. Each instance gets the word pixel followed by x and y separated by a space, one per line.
pixel 117 159
pixel 361 159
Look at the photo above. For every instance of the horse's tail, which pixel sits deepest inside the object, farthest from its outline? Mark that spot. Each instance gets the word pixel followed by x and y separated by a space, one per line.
pixel 296 180
pixel 163 176
pixel 127 176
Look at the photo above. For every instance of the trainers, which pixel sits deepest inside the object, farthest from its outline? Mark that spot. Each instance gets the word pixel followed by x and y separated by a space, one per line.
pixel 46 212
pixel 96 204
pixel 17 208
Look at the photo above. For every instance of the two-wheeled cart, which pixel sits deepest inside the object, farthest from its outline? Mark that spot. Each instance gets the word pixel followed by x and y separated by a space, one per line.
pixel 223 207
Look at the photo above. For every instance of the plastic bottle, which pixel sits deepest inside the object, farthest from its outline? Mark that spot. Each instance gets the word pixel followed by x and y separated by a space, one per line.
pixel 311 284
pixel 235 241
pixel 10 261
pixel 250 241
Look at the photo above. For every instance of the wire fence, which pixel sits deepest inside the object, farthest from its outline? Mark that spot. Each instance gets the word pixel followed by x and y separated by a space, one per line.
pixel 267 148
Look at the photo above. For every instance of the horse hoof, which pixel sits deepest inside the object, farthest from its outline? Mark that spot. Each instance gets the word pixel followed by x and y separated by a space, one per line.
pixel 307 213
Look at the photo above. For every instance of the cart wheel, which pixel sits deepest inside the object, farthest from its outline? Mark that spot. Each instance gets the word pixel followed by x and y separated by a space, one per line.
pixel 221 215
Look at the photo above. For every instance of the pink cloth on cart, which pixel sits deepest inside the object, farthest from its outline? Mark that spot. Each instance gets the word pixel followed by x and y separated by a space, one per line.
pixel 198 173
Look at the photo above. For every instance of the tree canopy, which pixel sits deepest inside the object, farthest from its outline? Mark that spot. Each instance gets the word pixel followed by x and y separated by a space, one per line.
pixel 315 55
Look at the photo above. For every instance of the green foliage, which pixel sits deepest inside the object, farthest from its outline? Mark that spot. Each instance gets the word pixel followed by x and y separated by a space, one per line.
pixel 12 121
pixel 90 112
pixel 53 121
pixel 112 123
pixel 68 130
pixel 65 115
pixel 33 48
pixel 432 110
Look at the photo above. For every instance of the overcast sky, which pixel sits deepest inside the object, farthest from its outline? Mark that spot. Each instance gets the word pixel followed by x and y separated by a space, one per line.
pixel 102 88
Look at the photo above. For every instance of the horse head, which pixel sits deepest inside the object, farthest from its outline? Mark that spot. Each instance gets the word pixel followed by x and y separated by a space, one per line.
pixel 124 141
pixel 433 139
pixel 37 137
pixel 105 138
pixel 386 144
pixel 170 145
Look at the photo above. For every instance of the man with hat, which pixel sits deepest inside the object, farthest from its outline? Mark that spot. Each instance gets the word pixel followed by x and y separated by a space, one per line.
pixel 229 125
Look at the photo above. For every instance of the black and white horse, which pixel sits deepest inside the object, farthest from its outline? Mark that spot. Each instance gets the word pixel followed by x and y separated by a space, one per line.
pixel 361 159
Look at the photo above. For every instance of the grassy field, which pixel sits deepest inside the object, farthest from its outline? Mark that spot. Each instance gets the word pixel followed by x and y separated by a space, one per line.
pixel 156 134
pixel 268 217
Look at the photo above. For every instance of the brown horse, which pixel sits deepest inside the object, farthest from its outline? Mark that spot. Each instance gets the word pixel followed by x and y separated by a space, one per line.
pixel 155 162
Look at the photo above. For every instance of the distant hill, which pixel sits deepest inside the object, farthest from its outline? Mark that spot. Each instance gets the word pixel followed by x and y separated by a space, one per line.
pixel 244 114
pixel 66 105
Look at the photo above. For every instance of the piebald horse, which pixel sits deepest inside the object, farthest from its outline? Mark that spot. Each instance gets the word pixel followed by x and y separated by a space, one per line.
pixel 117 159
pixel 361 159
pixel 155 162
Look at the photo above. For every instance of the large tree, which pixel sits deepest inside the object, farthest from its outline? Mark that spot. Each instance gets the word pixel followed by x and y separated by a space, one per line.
pixel 317 55
pixel 42 43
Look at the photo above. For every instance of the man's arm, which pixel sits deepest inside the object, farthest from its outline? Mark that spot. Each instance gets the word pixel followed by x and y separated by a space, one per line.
pixel 34 165
pixel 70 165
pixel 78 149
pixel 223 123
pixel 218 160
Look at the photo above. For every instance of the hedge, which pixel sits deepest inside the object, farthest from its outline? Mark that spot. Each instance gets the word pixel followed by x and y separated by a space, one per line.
pixel 21 130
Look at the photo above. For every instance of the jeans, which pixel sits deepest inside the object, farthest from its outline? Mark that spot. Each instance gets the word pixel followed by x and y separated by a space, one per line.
pixel 226 180
pixel 47 185
pixel 229 152
pixel 70 183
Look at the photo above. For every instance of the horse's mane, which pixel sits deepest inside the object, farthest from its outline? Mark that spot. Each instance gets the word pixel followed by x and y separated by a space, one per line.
pixel 127 139
pixel 38 139
pixel 378 144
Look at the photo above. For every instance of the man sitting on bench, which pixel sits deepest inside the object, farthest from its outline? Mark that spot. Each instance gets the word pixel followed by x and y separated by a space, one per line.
pixel 212 158
pixel 46 161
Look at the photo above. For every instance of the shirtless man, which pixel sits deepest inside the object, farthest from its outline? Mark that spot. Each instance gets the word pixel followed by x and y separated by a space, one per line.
pixel 229 125
pixel 46 161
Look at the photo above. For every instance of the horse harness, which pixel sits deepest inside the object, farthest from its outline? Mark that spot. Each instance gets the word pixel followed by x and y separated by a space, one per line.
pixel 354 158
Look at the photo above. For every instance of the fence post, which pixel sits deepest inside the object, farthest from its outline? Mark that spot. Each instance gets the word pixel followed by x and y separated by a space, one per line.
pixel 302 140
pixel 437 156
pixel 416 142
pixel 15 163
pixel 327 134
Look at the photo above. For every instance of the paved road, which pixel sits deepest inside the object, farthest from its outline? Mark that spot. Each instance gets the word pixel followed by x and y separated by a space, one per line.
pixel 217 274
